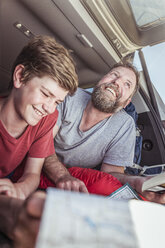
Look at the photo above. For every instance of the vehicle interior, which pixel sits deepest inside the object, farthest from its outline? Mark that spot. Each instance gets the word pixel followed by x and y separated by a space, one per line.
pixel 99 33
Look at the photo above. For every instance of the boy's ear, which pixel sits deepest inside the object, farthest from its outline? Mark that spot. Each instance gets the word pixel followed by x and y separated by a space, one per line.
pixel 17 75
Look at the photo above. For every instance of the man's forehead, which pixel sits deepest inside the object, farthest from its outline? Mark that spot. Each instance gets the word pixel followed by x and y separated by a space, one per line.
pixel 125 71
pixel 116 69
pixel 121 68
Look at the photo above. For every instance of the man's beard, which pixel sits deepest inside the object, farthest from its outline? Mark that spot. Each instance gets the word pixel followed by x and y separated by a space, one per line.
pixel 104 102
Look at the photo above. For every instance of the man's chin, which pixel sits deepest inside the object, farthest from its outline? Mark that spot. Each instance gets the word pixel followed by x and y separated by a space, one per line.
pixel 103 109
pixel 111 109
pixel 117 109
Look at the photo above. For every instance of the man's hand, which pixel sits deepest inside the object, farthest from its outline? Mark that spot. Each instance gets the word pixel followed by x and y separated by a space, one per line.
pixel 27 225
pixel 136 182
pixel 61 177
pixel 154 197
pixel 149 195
pixel 68 182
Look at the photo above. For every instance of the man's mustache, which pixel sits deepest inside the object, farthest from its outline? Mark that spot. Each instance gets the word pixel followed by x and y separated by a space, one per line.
pixel 112 86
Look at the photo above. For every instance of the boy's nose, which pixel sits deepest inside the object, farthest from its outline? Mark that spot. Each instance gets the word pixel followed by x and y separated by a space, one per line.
pixel 49 107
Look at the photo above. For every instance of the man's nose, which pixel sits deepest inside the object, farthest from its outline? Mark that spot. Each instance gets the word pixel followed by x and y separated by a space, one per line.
pixel 117 82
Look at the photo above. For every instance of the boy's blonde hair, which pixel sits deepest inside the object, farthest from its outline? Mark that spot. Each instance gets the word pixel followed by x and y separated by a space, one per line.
pixel 43 56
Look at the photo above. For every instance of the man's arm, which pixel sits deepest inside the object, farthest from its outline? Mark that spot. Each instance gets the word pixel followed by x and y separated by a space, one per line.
pixel 59 174
pixel 135 182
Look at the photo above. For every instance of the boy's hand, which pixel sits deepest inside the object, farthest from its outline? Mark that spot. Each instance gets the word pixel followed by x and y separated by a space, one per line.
pixel 10 189
pixel 27 225
pixel 7 188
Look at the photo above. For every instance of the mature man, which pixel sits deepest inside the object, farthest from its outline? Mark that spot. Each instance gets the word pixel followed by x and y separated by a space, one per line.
pixel 95 130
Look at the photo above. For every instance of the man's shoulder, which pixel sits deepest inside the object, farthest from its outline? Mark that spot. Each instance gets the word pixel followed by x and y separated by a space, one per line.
pixel 123 117
pixel 78 96
pixel 81 92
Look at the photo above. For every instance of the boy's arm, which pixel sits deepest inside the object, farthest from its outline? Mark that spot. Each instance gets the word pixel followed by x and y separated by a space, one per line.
pixel 28 222
pixel 9 211
pixel 30 179
pixel 28 182
pixel 20 219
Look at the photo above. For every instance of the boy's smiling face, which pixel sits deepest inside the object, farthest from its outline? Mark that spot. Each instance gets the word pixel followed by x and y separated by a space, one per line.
pixel 36 98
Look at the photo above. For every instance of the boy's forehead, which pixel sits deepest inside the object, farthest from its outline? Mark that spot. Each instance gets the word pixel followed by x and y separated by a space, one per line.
pixel 49 84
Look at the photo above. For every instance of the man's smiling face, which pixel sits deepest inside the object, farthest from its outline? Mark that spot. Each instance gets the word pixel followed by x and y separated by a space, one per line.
pixel 114 91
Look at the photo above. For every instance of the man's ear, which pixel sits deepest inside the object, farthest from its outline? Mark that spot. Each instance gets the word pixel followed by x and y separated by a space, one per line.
pixel 127 102
pixel 17 75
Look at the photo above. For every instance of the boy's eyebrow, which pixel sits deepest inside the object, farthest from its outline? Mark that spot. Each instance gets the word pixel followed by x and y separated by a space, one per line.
pixel 50 93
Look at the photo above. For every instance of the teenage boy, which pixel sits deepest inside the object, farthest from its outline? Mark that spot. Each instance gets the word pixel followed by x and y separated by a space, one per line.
pixel 43 74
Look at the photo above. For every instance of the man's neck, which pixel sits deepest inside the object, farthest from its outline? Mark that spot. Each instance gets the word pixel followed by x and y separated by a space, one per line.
pixel 91 116
pixel 10 120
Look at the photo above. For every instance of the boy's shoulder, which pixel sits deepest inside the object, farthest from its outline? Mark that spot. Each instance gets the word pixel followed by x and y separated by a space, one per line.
pixel 45 124
pixel 51 118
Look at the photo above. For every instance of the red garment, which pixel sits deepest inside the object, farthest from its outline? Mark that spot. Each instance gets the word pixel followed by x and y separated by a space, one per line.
pixel 97 182
pixel 36 142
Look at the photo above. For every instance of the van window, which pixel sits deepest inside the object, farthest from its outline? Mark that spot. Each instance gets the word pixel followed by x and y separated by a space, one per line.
pixel 145 15
pixel 154 57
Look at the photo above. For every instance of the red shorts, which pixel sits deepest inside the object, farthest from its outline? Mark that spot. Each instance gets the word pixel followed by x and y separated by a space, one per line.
pixel 97 182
